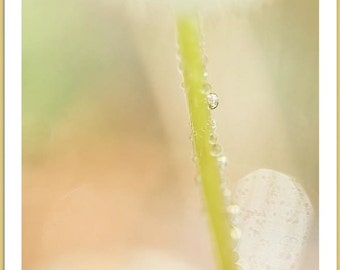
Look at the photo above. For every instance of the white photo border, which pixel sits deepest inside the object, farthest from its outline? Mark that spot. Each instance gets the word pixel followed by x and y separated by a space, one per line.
pixel 328 134
pixel 12 135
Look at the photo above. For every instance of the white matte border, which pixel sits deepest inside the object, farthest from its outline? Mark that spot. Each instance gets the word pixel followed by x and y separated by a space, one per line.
pixel 327 131
pixel 13 134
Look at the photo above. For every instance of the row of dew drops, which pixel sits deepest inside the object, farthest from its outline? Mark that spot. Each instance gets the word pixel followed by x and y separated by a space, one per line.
pixel 232 210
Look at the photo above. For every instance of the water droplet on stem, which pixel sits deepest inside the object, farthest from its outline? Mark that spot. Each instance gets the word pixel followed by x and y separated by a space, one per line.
pixel 222 162
pixel 216 150
pixel 233 209
pixel 212 138
pixel 212 100
pixel 235 233
pixel 213 125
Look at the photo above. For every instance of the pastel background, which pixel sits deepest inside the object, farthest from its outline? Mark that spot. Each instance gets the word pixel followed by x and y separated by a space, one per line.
pixel 108 180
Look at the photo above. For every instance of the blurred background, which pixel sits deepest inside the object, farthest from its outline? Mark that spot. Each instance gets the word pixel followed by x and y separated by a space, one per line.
pixel 108 177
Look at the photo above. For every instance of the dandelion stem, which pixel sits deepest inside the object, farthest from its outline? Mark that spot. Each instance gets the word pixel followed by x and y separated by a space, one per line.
pixel 193 73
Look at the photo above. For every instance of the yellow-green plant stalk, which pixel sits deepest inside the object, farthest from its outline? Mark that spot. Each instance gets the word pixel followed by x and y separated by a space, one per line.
pixel 192 65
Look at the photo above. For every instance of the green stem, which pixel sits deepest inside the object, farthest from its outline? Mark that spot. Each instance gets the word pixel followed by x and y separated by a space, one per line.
pixel 193 72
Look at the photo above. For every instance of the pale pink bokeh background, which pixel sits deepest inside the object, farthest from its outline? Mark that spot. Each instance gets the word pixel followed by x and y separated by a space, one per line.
pixel 108 180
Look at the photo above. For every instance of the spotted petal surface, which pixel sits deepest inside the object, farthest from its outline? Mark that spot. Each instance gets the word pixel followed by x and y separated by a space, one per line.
pixel 275 217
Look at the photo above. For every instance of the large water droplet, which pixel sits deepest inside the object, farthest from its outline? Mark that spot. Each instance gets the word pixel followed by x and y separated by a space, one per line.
pixel 216 150
pixel 212 100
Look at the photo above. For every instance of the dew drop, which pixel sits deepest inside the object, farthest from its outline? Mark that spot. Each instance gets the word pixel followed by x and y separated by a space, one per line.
pixel 226 193
pixel 207 87
pixel 236 256
pixel 239 267
pixel 194 159
pixel 222 162
pixel 235 233
pixel 212 100
pixel 233 209
pixel 212 138
pixel 242 266
pixel 216 150
pixel 180 67
pixel 235 220
pixel 198 180
pixel 213 124
pixel 223 184
pixel 205 59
